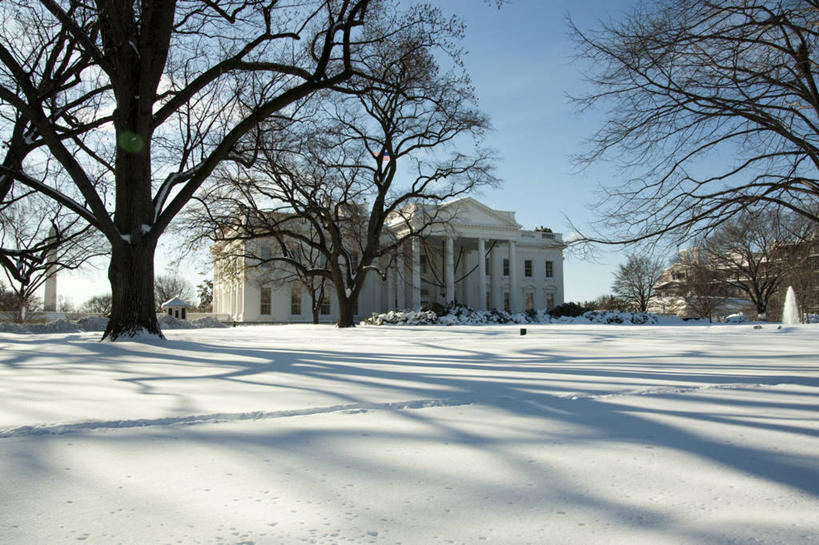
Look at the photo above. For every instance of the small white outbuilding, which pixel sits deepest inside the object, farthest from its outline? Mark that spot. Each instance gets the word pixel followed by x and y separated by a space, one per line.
pixel 177 308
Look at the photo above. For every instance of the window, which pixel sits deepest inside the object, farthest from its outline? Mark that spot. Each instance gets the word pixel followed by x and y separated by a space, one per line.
pixel 527 267
pixel 506 304
pixel 550 301
pixel 295 300
pixel 486 266
pixel 423 264
pixel 353 261
pixel 265 253
pixel 265 301
pixel 324 309
pixel 505 267
pixel 488 300
pixel 530 301
pixel 549 269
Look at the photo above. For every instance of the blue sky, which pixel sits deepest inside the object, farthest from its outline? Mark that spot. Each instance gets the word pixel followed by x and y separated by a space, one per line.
pixel 521 62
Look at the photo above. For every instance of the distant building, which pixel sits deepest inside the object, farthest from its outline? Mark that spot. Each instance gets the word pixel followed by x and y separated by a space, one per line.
pixel 675 285
pixel 480 258
pixel 177 308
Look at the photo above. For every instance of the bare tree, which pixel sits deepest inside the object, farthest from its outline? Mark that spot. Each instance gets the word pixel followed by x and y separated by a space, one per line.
pixel 702 290
pixel 754 253
pixel 606 302
pixel 803 276
pixel 185 82
pixel 687 80
pixel 64 304
pixel 39 238
pixel 8 302
pixel 283 273
pixel 168 286
pixel 634 281
pixel 334 186
pixel 98 304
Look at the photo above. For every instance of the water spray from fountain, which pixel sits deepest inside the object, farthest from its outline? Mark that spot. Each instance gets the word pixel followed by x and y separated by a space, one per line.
pixel 790 312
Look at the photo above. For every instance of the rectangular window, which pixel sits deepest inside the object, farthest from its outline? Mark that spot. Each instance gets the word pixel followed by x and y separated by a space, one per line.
pixel 324 309
pixel 353 261
pixel 527 267
pixel 549 269
pixel 530 301
pixel 423 264
pixel 505 267
pixel 295 300
pixel 488 300
pixel 487 266
pixel 265 301
pixel 506 304
pixel 550 301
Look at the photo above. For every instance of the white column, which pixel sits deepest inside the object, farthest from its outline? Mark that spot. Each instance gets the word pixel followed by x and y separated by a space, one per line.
pixel 416 273
pixel 400 281
pixel 242 293
pixel 496 280
pixel 514 296
pixel 481 274
pixel 449 270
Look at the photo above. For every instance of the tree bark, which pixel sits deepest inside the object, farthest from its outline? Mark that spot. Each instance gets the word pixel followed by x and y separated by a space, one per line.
pixel 131 274
pixel 346 314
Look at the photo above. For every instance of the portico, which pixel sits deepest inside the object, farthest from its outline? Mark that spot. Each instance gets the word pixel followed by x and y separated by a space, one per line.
pixel 481 258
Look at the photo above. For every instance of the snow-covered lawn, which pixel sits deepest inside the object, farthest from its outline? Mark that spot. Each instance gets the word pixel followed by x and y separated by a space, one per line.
pixel 416 435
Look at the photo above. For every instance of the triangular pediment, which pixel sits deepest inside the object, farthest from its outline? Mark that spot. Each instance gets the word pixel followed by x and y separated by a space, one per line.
pixel 467 211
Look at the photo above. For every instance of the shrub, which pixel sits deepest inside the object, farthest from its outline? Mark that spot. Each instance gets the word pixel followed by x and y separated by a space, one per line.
pixel 437 308
pixel 567 309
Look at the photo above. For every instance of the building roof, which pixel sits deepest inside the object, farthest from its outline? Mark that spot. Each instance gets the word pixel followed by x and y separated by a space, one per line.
pixel 176 302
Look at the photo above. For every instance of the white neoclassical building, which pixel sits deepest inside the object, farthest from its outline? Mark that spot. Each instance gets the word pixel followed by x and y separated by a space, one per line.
pixel 480 258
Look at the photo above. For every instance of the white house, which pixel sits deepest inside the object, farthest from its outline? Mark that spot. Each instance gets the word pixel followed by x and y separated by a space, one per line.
pixel 480 258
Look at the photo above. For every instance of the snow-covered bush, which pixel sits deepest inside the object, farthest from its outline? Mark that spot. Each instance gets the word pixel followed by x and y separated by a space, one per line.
pixel 207 321
pixel 99 323
pixel 8 327
pixel 461 315
pixel 93 323
pixel 57 326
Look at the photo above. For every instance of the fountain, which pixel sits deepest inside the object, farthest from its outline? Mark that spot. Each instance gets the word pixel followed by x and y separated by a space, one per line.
pixel 790 314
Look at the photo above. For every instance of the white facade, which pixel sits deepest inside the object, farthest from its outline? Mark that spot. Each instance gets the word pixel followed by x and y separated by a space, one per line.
pixel 481 258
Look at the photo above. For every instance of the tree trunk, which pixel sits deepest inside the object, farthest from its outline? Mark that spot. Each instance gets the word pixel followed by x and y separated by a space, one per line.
pixel 131 273
pixel 21 311
pixel 346 315
pixel 315 302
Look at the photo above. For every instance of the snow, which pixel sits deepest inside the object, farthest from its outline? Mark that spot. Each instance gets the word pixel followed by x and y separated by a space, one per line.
pixel 99 323
pixel 572 434
pixel 461 315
